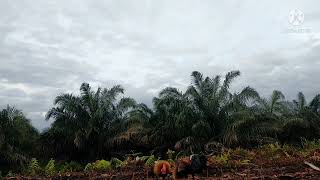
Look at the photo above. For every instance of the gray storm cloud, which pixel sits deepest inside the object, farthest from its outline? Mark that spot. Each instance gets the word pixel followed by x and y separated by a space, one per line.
pixel 51 47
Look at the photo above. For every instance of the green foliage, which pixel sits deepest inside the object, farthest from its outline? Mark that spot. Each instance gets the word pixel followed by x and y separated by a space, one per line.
pixel 150 161
pixel 34 167
pixel 89 167
pixel 102 165
pixel 310 146
pixel 50 168
pixel 97 122
pixel 314 144
pixel 224 157
pixel 93 117
pixel 10 174
pixel 144 158
pixel 17 137
pixel 116 163
pixel 71 167
pixel 170 154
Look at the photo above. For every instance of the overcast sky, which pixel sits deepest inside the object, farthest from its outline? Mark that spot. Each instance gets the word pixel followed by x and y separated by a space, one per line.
pixel 50 47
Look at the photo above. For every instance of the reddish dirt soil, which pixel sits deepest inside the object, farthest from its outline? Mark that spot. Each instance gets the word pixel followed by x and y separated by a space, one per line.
pixel 239 165
pixel 297 170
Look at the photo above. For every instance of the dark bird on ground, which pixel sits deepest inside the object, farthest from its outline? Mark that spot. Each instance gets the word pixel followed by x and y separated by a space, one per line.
pixel 194 164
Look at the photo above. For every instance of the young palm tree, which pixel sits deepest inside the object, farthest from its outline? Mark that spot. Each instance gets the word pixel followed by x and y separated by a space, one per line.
pixel 90 120
pixel 304 122
pixel 242 124
pixel 211 99
pixel 272 106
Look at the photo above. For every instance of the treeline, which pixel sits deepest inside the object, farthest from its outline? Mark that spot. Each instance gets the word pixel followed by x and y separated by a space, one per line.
pixel 103 123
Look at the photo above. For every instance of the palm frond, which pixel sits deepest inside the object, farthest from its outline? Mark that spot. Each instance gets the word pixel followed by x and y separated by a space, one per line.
pixel 229 78
pixel 197 78
pixel 315 104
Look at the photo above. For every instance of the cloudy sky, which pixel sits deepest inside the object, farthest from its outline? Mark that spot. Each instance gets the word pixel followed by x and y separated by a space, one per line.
pixel 51 47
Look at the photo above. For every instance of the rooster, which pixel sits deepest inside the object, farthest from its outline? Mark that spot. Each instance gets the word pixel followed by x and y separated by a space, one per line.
pixel 161 169
pixel 194 164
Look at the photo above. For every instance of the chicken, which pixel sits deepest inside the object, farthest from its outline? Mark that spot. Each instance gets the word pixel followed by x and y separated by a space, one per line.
pixel 161 169
pixel 195 164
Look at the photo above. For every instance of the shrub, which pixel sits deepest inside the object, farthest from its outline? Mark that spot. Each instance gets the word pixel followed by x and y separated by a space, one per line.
pixel 150 161
pixel 117 163
pixel 101 165
pixel 34 167
pixel 88 167
pixel 223 158
pixel 50 168
pixel 71 167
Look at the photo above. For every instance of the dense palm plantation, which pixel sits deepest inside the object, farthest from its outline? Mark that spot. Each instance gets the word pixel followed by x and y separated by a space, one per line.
pixel 102 123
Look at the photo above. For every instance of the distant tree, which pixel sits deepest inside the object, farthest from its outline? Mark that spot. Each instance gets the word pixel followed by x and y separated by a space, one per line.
pixel 304 122
pixel 18 137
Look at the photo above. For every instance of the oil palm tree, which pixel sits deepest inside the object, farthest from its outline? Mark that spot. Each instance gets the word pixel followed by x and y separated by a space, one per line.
pixel 214 101
pixel 273 106
pixel 91 119
pixel 242 124
pixel 137 129
pixel 17 136
pixel 315 104
pixel 173 117
pixel 304 123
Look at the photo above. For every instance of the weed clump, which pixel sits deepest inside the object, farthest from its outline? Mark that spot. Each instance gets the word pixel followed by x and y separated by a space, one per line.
pixel 50 168
pixel 102 165
pixel 34 167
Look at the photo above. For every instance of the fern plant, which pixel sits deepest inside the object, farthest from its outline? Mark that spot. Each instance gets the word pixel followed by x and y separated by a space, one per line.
pixel 50 168
pixel 34 167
